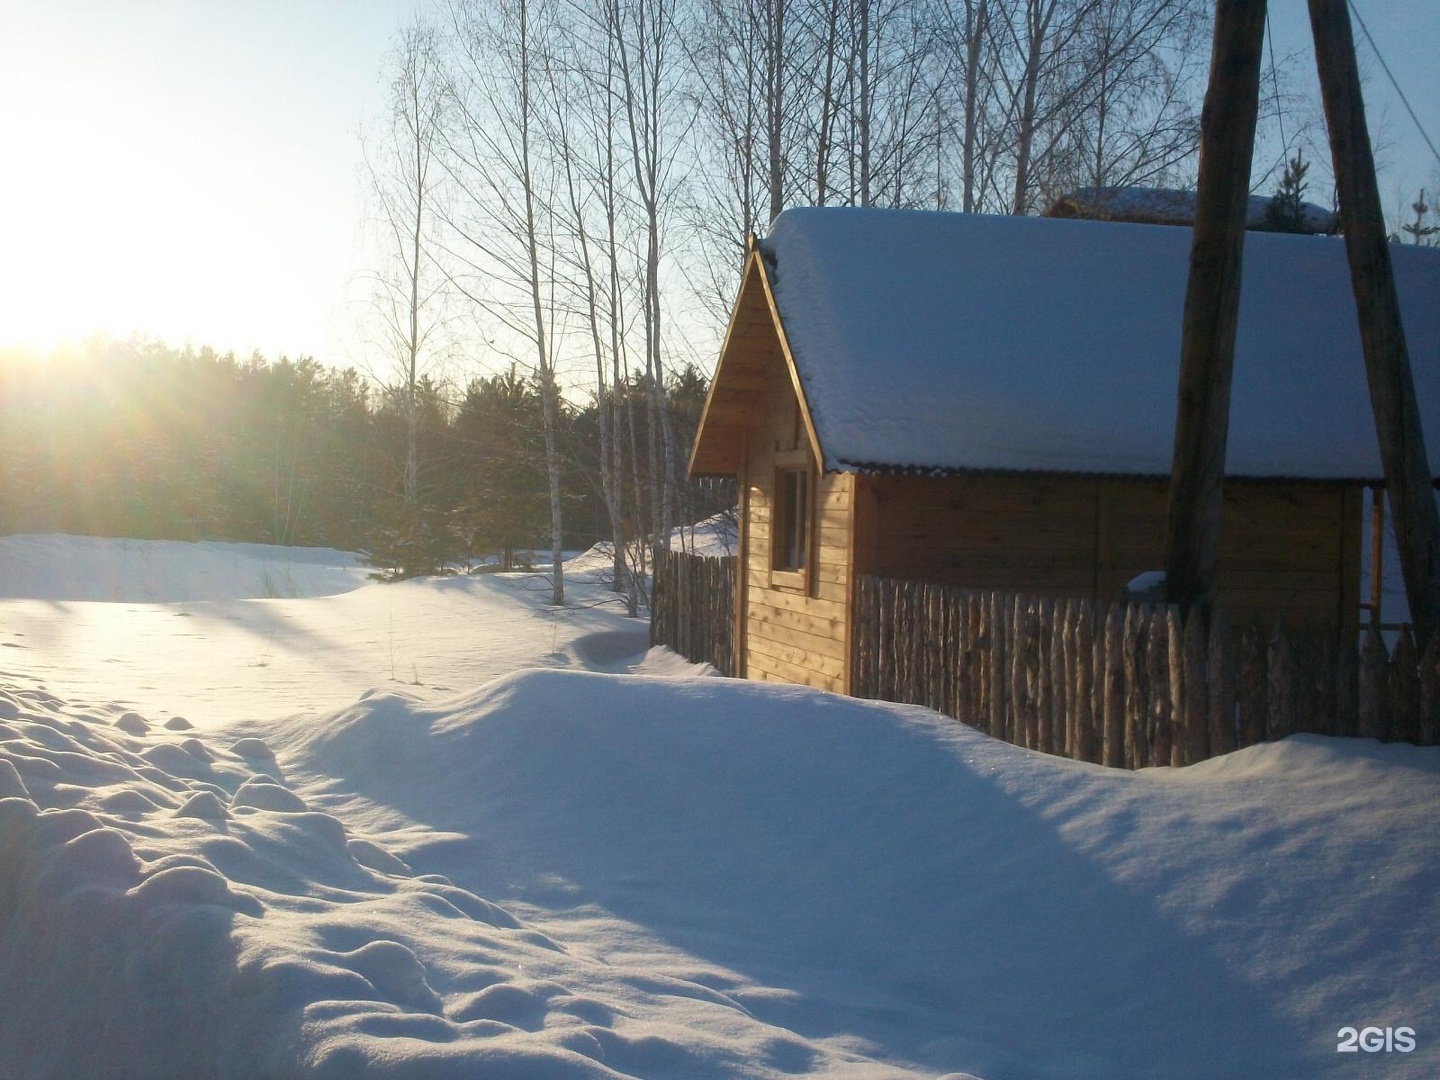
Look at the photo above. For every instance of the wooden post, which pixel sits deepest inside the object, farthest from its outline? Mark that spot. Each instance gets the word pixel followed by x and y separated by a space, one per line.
pixel 1220 693
pixel 1059 684
pixel 1430 694
pixel 1113 689
pixel 1212 302
pixel 1405 690
pixel 1280 671
pixel 1175 639
pixel 1082 738
pixel 1251 693
pixel 1157 674
pixel 1136 627
pixel 1387 361
pixel 1377 550
pixel 1373 722
pixel 1196 739
pixel 1347 690
pixel 996 677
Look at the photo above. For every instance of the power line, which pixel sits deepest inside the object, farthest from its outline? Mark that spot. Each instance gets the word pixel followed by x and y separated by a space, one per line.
pixel 1386 67
pixel 1275 81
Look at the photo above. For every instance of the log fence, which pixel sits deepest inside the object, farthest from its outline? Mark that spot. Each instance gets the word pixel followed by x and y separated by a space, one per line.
pixel 1127 685
pixel 692 607
pixel 1131 685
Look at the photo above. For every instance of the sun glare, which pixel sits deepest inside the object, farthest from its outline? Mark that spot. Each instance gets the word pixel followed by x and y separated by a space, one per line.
pixel 134 205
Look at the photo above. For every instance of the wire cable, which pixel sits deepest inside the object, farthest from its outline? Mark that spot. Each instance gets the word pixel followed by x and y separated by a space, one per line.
pixel 1403 99
pixel 1275 82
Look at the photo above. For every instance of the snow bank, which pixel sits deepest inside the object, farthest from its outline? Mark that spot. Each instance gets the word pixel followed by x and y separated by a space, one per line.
pixel 59 567
pixel 566 873
pixel 225 659
pixel 968 341
pixel 714 537
pixel 878 880
pixel 571 874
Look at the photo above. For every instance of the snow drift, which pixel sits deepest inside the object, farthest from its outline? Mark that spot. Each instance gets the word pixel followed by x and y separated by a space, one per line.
pixel 567 871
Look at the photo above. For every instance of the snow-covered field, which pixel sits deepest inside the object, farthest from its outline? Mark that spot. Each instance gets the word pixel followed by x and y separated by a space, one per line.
pixel 260 816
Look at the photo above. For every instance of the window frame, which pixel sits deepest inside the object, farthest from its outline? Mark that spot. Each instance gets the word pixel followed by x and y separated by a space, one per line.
pixel 792 557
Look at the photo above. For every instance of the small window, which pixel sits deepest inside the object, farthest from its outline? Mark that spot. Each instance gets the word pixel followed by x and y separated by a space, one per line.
pixel 792 520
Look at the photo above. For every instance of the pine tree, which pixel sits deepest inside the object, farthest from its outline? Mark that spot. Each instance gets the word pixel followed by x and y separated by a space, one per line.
pixel 1420 233
pixel 1286 212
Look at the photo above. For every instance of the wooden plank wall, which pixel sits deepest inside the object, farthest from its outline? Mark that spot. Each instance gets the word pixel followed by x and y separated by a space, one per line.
pixel 795 635
pixel 1289 549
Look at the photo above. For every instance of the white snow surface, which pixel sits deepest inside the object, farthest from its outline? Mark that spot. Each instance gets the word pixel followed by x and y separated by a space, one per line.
pixel 1174 206
pixel 939 340
pixel 601 863
pixel 714 537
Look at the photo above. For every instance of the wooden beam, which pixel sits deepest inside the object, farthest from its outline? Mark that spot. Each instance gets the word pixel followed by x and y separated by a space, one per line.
pixel 1377 555
pixel 1387 361
pixel 1212 301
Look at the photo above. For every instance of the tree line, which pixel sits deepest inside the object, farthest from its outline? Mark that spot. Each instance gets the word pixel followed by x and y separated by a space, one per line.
pixel 142 440
pixel 562 195
pixel 572 183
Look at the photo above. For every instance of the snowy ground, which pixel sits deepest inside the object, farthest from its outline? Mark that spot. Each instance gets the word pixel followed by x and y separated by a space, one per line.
pixel 273 819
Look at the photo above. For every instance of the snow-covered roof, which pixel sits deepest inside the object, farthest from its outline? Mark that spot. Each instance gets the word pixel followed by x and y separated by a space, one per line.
pixel 955 341
pixel 1174 206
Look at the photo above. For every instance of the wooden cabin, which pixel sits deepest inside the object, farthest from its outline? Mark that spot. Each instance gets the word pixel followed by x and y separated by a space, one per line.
pixel 989 402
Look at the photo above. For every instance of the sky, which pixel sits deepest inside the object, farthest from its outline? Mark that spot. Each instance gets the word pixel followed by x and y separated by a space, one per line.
pixel 190 169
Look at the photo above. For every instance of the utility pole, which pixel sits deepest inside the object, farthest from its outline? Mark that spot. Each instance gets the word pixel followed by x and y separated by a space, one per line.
pixel 1387 361
pixel 1212 302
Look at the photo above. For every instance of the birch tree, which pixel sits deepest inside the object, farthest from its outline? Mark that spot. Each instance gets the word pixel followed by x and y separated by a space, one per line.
pixel 505 229
pixel 583 120
pixel 645 37
pixel 405 179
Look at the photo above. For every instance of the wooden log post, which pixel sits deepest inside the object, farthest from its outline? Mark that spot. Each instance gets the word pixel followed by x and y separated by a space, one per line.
pixel 1044 688
pixel 1212 301
pixel 885 642
pixel 900 641
pixel 967 704
pixel 860 639
pixel 1374 688
pixel 659 601
pixel 859 629
pixel 1023 642
pixel 1221 677
pixel 1137 626
pixel 997 675
pixel 1082 739
pixel 1324 683
pixel 1430 694
pixel 1032 673
pixel 1301 705
pixel 1347 691
pixel 1382 335
pixel 953 613
pixel 1067 663
pixel 1059 684
pixel 1405 690
pixel 1175 639
pixel 1281 684
pixel 1251 692
pixel 1113 738
pixel 939 650
pixel 1157 673
pixel 1197 670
